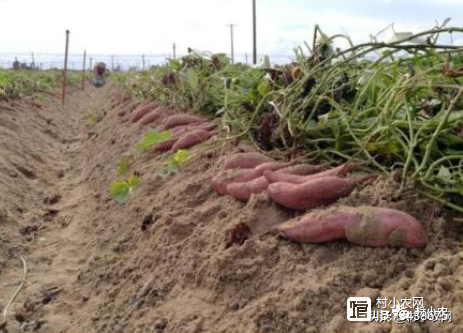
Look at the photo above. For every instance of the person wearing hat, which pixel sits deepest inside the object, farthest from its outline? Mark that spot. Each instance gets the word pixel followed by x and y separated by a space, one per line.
pixel 99 70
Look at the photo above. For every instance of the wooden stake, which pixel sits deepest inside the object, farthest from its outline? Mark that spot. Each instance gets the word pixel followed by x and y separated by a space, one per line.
pixel 83 70
pixel 65 70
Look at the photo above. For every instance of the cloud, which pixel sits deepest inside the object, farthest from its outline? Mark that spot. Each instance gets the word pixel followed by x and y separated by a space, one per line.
pixel 152 26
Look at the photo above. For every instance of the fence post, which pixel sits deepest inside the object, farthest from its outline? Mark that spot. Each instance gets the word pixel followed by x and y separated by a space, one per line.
pixel 33 60
pixel 254 33
pixel 65 70
pixel 83 70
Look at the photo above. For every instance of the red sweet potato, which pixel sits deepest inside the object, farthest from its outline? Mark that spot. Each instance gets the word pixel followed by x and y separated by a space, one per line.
pixel 244 191
pixel 192 138
pixel 245 161
pixel 270 166
pixel 181 119
pixel 314 193
pixel 207 126
pixel 340 171
pixel 178 132
pixel 165 145
pixel 142 110
pixel 369 226
pixel 302 169
pixel 220 181
pixel 152 116
pixel 126 109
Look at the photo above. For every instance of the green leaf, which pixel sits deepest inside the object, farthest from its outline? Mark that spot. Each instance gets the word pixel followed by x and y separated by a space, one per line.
pixel 133 181
pixel 445 175
pixel 266 62
pixel 120 191
pixel 175 161
pixel 180 156
pixel 124 166
pixel 455 115
pixel 263 88
pixel 152 138
pixel 4 80
pixel 193 79
pixel 175 64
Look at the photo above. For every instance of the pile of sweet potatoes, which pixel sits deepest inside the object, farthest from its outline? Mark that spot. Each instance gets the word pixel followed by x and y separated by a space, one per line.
pixel 306 187
pixel 187 130
pixel 243 174
pixel 295 186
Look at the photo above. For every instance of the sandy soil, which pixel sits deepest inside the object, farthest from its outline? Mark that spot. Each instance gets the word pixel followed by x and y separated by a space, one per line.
pixel 160 262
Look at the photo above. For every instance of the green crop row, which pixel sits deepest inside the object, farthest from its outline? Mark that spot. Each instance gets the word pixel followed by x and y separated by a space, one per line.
pixel 398 105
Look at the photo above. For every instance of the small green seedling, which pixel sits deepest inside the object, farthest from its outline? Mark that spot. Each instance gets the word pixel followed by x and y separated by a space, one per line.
pixel 175 161
pixel 121 190
pixel 124 165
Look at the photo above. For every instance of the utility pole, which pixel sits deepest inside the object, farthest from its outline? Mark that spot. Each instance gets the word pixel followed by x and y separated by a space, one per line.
pixel 174 48
pixel 112 63
pixel 231 25
pixel 254 33
pixel 143 61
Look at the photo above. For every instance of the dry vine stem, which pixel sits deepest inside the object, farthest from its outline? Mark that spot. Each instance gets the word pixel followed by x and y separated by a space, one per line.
pixel 16 293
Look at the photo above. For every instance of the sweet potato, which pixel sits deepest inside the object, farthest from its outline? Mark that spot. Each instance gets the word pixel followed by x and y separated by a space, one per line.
pixel 314 193
pixel 181 119
pixel 165 145
pixel 178 132
pixel 142 110
pixel 220 181
pixel 152 116
pixel 192 138
pixel 270 166
pixel 245 161
pixel 126 109
pixel 207 126
pixel 244 191
pixel 340 171
pixel 302 169
pixel 369 226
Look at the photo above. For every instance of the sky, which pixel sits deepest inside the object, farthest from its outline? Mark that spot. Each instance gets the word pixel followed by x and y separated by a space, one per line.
pixel 152 26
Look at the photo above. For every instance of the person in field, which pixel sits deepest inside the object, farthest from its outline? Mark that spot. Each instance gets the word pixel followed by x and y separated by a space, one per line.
pixel 99 70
